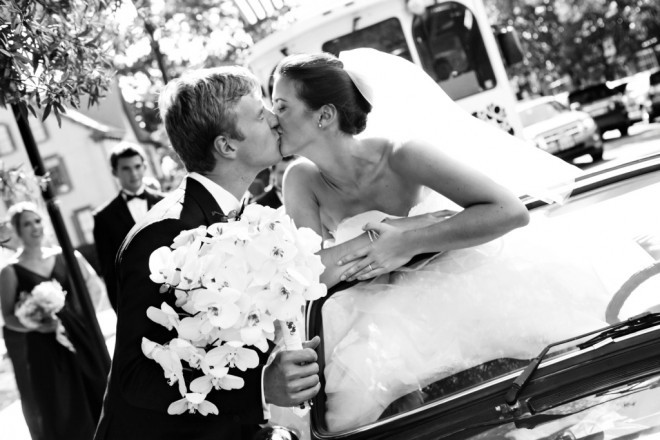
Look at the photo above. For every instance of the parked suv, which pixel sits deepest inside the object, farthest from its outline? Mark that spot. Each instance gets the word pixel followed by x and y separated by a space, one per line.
pixel 606 105
pixel 555 128
pixel 654 95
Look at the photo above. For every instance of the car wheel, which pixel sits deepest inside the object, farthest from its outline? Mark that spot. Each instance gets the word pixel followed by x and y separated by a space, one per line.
pixel 597 156
pixel 623 131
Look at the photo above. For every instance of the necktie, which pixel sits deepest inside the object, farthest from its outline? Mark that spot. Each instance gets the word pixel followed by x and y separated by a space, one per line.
pixel 129 197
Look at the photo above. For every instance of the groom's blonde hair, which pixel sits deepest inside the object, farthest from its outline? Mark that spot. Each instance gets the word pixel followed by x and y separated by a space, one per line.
pixel 199 106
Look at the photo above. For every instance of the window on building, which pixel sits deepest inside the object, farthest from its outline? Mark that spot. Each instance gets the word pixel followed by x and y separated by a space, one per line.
pixel 6 141
pixel 84 223
pixel 58 174
pixel 39 131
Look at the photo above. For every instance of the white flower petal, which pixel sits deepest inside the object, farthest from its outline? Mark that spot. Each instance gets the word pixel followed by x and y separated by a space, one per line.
pixel 206 408
pixel 178 407
pixel 148 347
pixel 201 385
pixel 246 358
pixel 226 316
pixel 231 382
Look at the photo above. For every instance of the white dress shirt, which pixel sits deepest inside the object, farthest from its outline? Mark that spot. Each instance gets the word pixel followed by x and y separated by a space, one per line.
pixel 137 207
pixel 228 203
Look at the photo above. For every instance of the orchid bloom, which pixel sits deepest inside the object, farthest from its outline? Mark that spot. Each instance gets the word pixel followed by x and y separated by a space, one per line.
pixel 234 355
pixel 275 248
pixel 187 352
pixel 208 382
pixel 193 328
pixel 186 238
pixel 257 329
pixel 308 241
pixel 164 266
pixel 219 305
pixel 284 298
pixel 169 362
pixel 192 402
pixel 165 316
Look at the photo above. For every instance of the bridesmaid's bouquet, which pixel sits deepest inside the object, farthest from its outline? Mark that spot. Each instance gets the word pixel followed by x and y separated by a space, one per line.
pixel 40 307
pixel 233 282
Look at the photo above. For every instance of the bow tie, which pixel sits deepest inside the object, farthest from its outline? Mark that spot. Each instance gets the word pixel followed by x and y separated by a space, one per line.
pixel 129 197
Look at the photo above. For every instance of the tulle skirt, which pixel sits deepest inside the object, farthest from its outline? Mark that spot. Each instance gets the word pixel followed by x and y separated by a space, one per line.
pixel 505 299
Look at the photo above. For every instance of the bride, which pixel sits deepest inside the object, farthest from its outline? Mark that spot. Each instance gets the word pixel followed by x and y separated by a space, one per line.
pixel 386 151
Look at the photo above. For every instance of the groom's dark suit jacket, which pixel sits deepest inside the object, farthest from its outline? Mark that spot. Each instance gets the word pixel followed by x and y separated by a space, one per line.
pixel 137 395
pixel 111 225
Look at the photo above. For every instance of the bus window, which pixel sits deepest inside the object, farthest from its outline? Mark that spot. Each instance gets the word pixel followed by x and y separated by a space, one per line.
pixel 452 50
pixel 386 36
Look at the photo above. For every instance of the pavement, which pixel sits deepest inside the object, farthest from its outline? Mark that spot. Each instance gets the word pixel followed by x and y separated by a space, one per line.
pixel 12 422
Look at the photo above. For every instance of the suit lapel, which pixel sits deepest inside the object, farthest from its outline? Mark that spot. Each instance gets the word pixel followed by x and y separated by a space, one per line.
pixel 198 199
pixel 123 214
pixel 152 199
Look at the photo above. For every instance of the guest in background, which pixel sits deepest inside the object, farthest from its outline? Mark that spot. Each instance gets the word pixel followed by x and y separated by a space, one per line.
pixel 113 221
pixel 258 185
pixel 61 385
pixel 272 195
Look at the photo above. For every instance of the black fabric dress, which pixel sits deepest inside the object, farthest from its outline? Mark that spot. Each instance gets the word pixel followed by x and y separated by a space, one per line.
pixel 61 391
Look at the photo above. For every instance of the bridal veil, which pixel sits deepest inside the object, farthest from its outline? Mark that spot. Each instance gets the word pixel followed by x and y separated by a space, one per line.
pixel 407 104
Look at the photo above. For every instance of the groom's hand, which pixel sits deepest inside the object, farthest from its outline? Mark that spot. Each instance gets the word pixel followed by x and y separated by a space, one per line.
pixel 292 377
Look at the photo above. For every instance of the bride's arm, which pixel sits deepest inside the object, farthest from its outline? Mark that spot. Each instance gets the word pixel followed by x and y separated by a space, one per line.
pixel 302 206
pixel 489 211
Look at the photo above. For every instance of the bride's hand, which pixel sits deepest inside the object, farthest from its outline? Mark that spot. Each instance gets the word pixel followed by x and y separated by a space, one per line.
pixel 386 253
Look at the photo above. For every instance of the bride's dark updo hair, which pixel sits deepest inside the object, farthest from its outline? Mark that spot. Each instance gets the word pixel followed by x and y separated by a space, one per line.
pixel 320 79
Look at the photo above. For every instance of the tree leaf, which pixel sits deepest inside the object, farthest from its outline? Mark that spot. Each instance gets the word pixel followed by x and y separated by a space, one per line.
pixel 46 112
pixel 57 115
pixel 59 107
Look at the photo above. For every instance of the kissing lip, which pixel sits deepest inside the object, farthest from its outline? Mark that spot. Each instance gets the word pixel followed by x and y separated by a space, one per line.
pixel 279 143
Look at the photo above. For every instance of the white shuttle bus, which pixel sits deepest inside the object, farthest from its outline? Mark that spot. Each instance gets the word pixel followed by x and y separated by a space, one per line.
pixel 451 39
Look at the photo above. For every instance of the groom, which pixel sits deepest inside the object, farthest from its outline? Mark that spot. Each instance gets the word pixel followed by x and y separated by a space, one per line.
pixel 219 127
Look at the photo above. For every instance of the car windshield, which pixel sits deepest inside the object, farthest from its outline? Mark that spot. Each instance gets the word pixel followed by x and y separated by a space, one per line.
pixel 589 246
pixel 540 112
pixel 624 413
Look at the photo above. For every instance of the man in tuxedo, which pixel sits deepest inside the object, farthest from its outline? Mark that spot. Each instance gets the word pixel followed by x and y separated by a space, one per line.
pixel 113 220
pixel 272 196
pixel 218 125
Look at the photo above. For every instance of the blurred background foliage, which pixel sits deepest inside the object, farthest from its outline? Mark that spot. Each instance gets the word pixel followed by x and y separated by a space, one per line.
pixel 54 52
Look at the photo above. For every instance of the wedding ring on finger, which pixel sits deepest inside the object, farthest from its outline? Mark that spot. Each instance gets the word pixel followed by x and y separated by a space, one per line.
pixel 370 268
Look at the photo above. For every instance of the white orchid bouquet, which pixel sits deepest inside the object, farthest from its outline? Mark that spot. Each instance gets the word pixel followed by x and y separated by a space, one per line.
pixel 40 307
pixel 232 282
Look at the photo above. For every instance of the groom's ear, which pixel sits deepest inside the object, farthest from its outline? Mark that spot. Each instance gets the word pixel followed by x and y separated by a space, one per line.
pixel 223 147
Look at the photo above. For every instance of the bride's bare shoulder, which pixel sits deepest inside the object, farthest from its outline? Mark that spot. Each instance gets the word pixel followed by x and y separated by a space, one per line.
pixel 301 170
pixel 411 153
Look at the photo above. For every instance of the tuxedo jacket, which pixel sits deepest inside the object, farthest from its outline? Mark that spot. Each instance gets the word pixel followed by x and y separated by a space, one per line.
pixel 269 198
pixel 111 225
pixel 137 395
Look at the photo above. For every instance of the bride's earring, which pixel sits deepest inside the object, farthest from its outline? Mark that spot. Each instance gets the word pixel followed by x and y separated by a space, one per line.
pixel 320 125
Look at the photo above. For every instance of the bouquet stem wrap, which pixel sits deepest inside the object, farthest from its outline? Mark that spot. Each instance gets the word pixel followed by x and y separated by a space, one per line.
pixel 292 337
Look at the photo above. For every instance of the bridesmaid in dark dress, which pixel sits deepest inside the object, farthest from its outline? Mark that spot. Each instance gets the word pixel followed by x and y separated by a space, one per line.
pixel 61 391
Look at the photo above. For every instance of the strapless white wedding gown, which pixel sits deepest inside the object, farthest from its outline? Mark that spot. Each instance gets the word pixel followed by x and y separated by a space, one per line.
pixel 400 332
